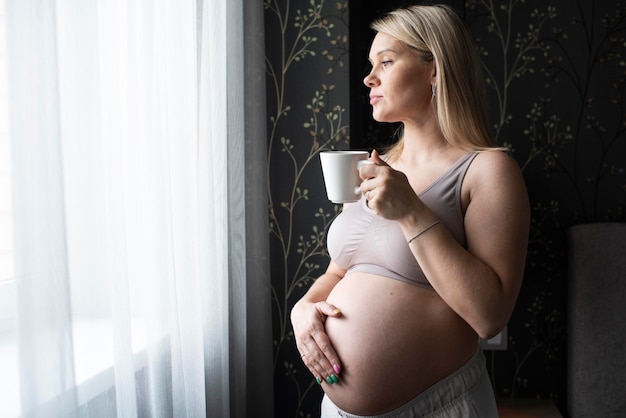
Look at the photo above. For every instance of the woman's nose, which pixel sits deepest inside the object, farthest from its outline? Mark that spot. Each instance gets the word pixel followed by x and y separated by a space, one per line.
pixel 370 79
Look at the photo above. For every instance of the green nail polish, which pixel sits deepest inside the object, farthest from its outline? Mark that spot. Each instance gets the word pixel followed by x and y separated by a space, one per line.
pixel 334 378
pixel 318 380
pixel 329 380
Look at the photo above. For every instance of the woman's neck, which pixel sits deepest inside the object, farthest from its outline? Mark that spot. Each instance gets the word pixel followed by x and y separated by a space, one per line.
pixel 423 143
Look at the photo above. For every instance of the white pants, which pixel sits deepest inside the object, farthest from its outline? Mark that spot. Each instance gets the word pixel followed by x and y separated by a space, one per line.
pixel 465 393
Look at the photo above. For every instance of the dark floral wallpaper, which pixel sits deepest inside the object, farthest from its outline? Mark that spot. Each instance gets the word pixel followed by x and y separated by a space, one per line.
pixel 555 71
pixel 307 100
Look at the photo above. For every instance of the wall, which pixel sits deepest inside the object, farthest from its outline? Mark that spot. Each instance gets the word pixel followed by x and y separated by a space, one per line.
pixel 307 93
pixel 555 72
pixel 556 79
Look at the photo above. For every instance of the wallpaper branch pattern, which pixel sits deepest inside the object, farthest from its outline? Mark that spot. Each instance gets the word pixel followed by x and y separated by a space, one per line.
pixel 510 52
pixel 555 72
pixel 556 79
pixel 587 68
pixel 519 50
pixel 305 58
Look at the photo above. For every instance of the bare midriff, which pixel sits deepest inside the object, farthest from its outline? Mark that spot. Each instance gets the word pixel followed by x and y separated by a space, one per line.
pixel 394 340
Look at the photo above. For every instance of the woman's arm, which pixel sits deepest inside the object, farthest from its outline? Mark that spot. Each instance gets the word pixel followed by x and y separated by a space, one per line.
pixel 480 282
pixel 308 317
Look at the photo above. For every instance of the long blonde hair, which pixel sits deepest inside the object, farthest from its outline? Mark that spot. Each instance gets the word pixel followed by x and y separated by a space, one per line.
pixel 438 34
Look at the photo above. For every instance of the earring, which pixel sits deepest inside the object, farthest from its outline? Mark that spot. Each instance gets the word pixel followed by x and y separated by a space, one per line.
pixel 433 87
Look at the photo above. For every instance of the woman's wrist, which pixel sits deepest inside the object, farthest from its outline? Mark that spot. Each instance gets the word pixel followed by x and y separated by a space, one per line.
pixel 320 290
pixel 417 222
pixel 423 231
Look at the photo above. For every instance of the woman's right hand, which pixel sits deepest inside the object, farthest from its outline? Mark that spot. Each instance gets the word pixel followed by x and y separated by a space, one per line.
pixel 316 350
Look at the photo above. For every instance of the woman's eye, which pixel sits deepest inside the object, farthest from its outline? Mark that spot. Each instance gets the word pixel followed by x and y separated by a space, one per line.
pixel 385 63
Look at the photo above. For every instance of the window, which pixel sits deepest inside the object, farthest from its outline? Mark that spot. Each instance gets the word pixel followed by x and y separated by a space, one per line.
pixel 119 290
pixel 8 347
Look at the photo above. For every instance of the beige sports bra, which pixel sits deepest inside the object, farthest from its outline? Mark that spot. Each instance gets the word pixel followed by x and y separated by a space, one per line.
pixel 361 241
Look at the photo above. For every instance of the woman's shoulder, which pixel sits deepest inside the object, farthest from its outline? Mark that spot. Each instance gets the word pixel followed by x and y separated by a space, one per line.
pixel 492 170
pixel 494 162
pixel 494 184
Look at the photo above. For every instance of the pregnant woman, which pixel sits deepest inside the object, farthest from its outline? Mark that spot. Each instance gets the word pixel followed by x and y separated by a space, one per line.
pixel 432 256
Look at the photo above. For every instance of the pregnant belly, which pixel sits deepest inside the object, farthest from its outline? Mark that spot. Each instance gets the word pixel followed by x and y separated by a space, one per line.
pixel 394 341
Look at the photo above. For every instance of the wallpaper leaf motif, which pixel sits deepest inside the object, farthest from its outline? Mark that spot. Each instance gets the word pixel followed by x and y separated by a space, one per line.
pixel 309 40
pixel 510 52
pixel 555 73
pixel 556 79
pixel 587 69
pixel 519 50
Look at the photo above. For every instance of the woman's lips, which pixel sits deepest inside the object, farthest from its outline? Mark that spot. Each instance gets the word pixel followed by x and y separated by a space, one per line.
pixel 374 99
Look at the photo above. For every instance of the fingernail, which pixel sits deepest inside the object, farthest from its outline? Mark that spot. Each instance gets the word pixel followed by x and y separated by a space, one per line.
pixel 318 380
pixel 336 368
pixel 329 380
pixel 336 311
pixel 334 378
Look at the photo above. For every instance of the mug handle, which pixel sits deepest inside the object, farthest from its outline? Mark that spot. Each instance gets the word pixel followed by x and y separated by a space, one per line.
pixel 361 163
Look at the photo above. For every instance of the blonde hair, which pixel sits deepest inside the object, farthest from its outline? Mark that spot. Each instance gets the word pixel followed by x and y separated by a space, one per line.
pixel 438 34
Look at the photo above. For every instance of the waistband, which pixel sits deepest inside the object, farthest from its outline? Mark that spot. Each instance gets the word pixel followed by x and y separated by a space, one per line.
pixel 438 395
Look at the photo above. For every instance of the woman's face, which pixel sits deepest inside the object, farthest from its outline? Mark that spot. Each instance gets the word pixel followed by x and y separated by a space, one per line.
pixel 400 82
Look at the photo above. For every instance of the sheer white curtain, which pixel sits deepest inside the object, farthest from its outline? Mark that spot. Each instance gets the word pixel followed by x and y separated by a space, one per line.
pixel 135 212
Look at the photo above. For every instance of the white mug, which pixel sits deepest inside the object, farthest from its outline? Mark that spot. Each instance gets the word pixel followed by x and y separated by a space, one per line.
pixel 341 174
